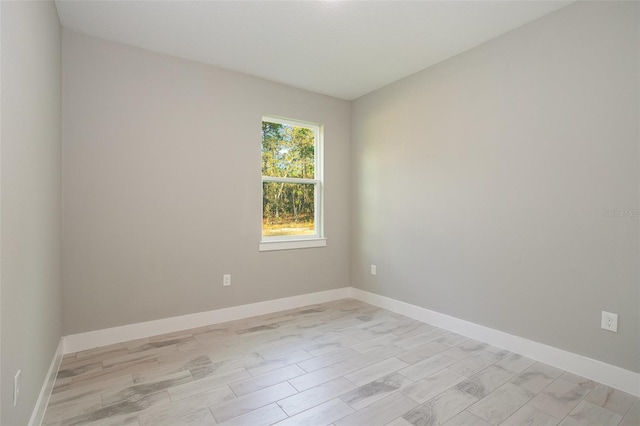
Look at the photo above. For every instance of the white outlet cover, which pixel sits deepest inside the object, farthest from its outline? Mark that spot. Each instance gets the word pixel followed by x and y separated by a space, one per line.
pixel 609 321
pixel 373 269
pixel 226 280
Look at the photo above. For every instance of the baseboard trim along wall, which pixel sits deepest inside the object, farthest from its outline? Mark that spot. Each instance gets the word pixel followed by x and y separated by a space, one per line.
pixel 109 336
pixel 47 387
pixel 610 375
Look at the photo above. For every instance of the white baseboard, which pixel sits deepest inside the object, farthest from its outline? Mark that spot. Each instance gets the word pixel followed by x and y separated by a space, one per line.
pixel 610 375
pixel 93 339
pixel 45 393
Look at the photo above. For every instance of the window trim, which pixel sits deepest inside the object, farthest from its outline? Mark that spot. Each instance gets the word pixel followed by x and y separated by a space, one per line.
pixel 288 242
pixel 292 244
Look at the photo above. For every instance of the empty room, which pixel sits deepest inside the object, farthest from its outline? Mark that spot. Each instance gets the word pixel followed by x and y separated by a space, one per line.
pixel 321 213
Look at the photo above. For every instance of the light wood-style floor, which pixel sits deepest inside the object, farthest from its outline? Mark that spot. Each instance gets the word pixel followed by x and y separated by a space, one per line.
pixel 343 363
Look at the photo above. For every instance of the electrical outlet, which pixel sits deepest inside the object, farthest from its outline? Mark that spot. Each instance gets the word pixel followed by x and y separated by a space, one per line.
pixel 16 388
pixel 226 280
pixel 609 321
pixel 373 269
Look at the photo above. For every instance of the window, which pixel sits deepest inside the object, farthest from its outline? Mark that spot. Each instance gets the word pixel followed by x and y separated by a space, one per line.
pixel 291 184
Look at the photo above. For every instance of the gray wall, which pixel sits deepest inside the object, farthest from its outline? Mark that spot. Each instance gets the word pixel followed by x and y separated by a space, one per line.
pixel 162 192
pixel 481 184
pixel 31 150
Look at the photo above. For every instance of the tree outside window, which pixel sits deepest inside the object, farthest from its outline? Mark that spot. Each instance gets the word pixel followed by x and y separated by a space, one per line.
pixel 291 184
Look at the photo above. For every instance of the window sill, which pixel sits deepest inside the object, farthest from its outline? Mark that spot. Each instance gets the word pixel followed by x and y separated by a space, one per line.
pixel 292 244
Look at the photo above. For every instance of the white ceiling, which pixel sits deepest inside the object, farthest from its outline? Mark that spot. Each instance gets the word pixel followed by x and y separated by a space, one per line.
pixel 339 48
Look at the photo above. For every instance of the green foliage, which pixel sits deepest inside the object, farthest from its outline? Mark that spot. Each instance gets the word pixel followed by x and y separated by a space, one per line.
pixel 287 152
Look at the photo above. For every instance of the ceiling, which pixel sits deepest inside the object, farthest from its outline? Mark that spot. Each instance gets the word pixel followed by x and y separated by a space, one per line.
pixel 339 48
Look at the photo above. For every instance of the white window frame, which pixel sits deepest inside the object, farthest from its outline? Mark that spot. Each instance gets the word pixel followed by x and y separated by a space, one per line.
pixel 288 242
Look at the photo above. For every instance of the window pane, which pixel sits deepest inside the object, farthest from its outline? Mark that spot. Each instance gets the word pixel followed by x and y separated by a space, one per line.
pixel 288 209
pixel 287 151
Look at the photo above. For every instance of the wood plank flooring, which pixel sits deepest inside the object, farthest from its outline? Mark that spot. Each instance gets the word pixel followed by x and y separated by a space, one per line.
pixel 342 363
